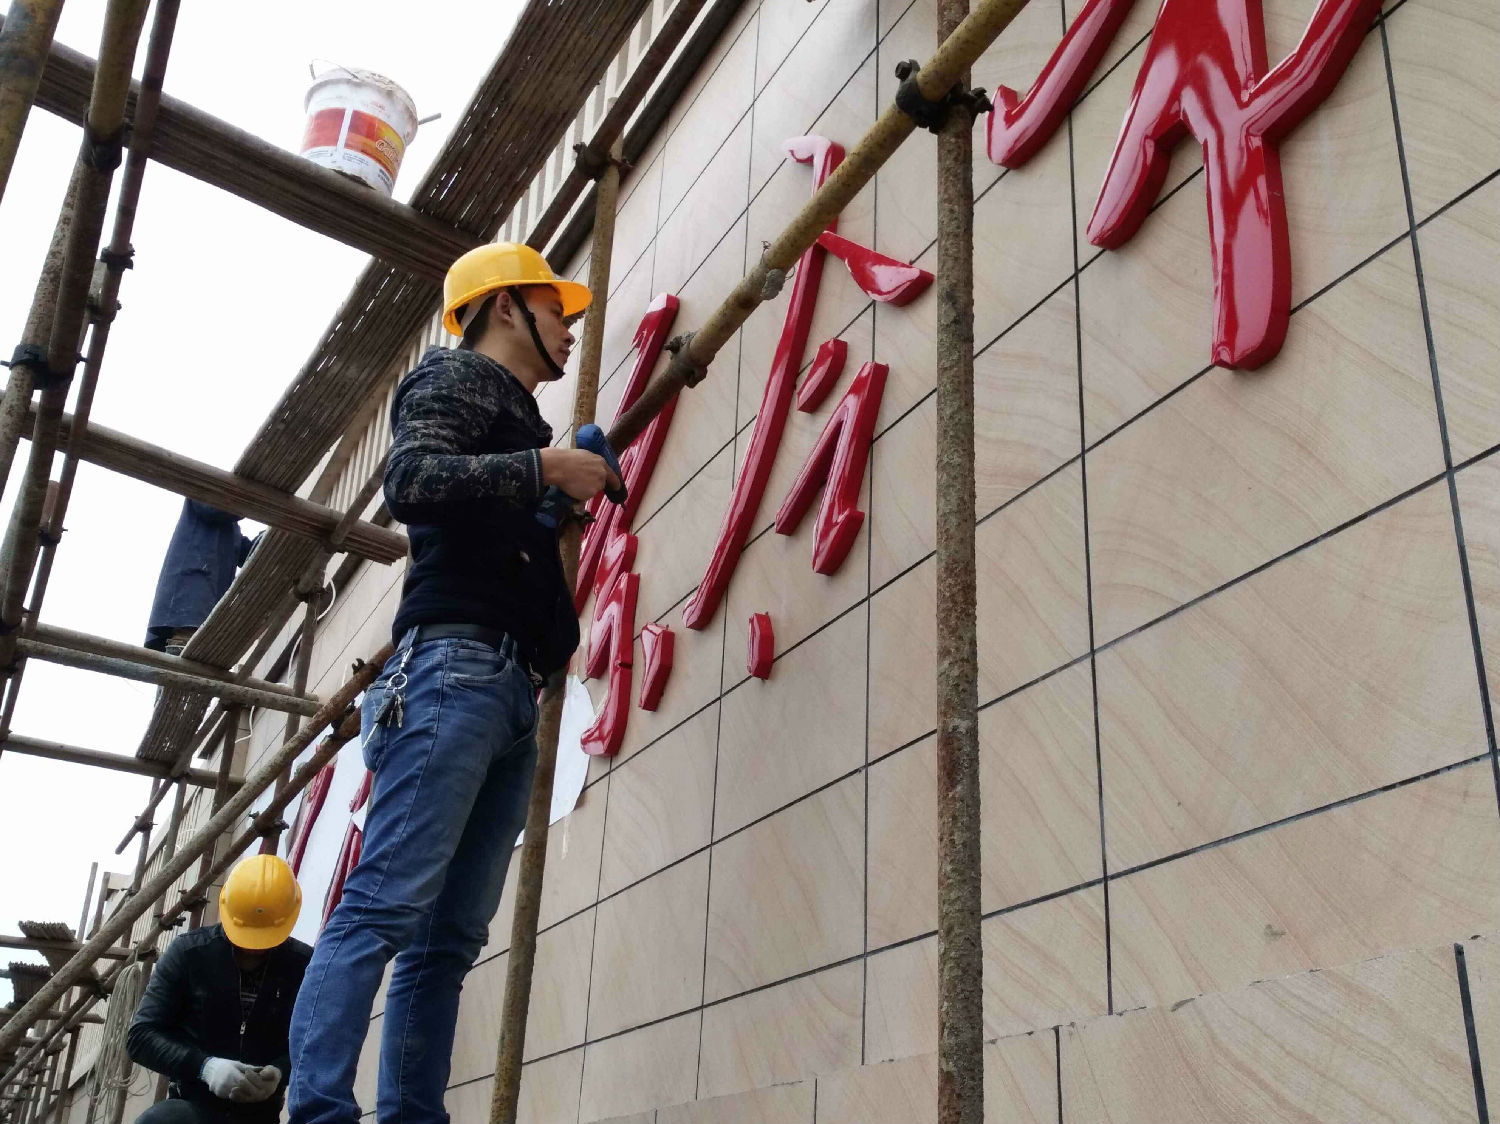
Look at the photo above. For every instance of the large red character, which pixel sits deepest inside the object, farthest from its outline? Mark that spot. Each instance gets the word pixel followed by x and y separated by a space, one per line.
pixel 1205 74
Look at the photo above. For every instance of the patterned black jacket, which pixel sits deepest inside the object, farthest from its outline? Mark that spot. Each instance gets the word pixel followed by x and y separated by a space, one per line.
pixel 464 474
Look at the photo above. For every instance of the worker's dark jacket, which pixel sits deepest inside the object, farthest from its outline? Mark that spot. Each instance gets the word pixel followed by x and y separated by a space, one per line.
pixel 205 551
pixel 465 474
pixel 191 1012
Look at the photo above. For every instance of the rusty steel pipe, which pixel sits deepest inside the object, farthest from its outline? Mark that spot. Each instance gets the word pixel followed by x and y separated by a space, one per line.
pixel 522 956
pixel 263 776
pixel 954 56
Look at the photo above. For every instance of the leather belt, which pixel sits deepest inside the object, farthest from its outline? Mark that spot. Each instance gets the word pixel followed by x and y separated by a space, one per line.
pixel 494 637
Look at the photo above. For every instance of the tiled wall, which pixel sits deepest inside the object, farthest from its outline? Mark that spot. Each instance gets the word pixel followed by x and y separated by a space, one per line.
pixel 1234 628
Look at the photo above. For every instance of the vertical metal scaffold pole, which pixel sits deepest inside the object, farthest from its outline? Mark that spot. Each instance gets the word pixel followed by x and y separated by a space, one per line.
pixel 523 928
pixel 960 953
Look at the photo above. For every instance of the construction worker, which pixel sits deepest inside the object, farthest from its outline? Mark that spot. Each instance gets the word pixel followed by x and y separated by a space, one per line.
pixel 215 1014
pixel 206 549
pixel 449 724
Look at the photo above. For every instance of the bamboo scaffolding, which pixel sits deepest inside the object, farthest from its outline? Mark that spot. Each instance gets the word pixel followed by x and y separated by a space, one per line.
pixel 336 709
pixel 93 174
pixel 23 52
pixel 522 956
pixel 33 944
pixel 960 952
pixel 99 759
pixel 237 495
pixel 146 673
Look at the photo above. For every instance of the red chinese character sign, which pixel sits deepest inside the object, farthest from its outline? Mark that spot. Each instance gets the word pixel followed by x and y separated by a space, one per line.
pixel 1204 74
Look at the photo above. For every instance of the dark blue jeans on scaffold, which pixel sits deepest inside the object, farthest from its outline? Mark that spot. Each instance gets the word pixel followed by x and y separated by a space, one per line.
pixel 452 782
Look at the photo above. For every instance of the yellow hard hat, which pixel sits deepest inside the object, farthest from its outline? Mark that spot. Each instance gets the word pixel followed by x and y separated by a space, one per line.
pixel 259 902
pixel 499 265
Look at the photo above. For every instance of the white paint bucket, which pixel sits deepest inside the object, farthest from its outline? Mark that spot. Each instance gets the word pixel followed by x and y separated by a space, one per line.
pixel 359 123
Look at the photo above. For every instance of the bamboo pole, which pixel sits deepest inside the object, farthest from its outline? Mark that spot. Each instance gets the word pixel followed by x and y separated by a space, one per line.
pixel 522 956
pixel 37 944
pixel 309 635
pixel 100 759
pixel 94 172
pixel 263 776
pixel 169 847
pixel 89 644
pixel 960 953
pixel 24 42
pixel 221 794
pixel 953 57
pixel 147 673
pixel 238 495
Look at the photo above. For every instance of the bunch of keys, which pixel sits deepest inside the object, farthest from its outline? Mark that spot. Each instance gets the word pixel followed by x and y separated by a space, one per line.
pixel 392 705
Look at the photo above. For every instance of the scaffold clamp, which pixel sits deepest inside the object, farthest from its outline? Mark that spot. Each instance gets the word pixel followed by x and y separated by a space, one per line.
pixel 933 115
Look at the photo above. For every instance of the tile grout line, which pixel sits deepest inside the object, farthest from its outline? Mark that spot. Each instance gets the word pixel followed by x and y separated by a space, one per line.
pixel 1465 573
pixel 1466 1003
pixel 1088 580
pixel 1057 1059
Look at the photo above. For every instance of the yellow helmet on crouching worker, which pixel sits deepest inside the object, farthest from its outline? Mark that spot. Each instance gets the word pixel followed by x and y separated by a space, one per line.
pixel 259 902
pixel 503 265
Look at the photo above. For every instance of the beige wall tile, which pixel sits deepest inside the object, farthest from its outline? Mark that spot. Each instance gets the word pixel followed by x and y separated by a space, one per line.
pixel 1033 601
pixel 1482 961
pixel 1043 965
pixel 1346 667
pixel 1026 425
pixel 559 988
pixel 574 846
pixel 780 740
pixel 660 803
pixel 775 576
pixel 896 1092
pixel 712 115
pixel 785 894
pixel 1443 62
pixel 1398 870
pixel 905 183
pixel 1136 27
pixel 810 1025
pixel 648 1117
pixel 782 24
pixel 479 1007
pixel 1020 1079
pixel 627 304
pixel 694 684
pixel 1460 259
pixel 1479 505
pixel 903 651
pixel 820 69
pixel 648 950
pixel 705 216
pixel 842 117
pixel 905 342
pixel 1040 809
pixel 549 1089
pixel 640 1070
pixel 635 221
pixel 778 1104
pixel 1239 468
pixel 1382 1040
pixel 675 545
pixel 470 1101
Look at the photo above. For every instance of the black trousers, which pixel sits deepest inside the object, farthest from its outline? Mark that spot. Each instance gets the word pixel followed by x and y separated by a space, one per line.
pixel 175 1110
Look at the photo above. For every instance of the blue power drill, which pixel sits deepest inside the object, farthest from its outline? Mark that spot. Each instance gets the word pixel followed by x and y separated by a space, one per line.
pixel 557 505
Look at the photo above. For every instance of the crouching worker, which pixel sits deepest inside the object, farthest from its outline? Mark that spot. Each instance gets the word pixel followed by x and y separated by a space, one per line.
pixel 449 724
pixel 215 1014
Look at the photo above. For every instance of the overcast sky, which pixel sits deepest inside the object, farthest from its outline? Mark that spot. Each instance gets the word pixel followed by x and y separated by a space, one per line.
pixel 223 305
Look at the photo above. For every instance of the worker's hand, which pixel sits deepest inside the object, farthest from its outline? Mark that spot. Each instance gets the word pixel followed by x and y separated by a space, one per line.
pixel 265 1081
pixel 230 1080
pixel 580 473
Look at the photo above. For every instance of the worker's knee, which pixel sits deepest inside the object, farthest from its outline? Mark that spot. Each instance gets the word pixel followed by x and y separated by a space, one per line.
pixel 173 1111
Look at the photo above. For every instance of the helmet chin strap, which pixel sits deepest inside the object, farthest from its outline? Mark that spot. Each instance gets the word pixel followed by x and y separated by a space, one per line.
pixel 536 336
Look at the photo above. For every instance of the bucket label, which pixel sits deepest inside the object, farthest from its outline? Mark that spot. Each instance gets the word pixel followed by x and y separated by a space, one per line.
pixel 352 140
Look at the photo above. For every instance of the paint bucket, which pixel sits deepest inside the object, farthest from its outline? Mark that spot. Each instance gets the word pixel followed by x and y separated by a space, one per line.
pixel 359 123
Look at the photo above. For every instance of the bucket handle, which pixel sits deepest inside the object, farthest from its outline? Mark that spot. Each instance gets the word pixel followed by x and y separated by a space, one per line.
pixel 312 68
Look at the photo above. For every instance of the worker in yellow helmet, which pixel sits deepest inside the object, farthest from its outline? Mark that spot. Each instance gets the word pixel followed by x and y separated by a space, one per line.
pixel 215 1015
pixel 449 725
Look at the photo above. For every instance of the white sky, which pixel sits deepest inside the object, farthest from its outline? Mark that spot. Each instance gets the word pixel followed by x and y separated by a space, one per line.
pixel 224 304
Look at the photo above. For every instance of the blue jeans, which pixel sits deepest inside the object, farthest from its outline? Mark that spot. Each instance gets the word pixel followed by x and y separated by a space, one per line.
pixel 450 794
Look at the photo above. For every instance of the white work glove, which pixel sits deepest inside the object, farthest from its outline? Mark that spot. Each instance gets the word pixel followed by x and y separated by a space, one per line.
pixel 264 1080
pixel 230 1080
